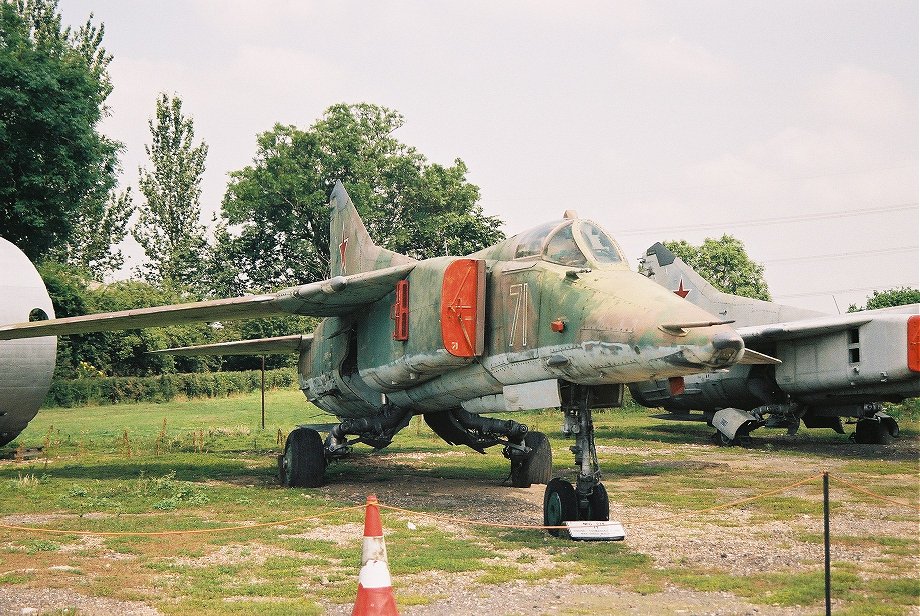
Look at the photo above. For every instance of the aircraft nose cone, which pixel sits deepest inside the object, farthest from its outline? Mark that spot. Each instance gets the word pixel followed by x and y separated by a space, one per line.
pixel 726 347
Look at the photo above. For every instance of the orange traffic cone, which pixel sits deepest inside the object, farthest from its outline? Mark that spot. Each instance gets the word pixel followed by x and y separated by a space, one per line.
pixel 375 587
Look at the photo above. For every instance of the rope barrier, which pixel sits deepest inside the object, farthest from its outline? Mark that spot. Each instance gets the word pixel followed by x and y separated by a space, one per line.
pixel 451 519
pixel 733 503
pixel 874 495
pixel 166 533
pixel 446 518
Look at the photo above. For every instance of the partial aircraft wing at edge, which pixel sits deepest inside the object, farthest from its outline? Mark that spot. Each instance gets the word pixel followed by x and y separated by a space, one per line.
pixel 259 346
pixel 336 296
pixel 819 325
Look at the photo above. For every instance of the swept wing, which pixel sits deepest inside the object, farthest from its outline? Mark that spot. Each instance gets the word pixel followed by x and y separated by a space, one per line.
pixel 336 296
pixel 259 346
pixel 818 326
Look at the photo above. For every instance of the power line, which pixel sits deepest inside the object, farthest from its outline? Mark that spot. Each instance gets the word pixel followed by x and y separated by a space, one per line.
pixel 863 253
pixel 775 221
pixel 835 291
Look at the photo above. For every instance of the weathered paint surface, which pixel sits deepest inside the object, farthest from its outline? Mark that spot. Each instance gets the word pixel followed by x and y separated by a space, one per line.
pixel 593 323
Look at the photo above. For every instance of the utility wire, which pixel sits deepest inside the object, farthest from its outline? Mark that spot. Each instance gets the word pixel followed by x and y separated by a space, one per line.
pixel 843 255
pixel 775 221
pixel 835 291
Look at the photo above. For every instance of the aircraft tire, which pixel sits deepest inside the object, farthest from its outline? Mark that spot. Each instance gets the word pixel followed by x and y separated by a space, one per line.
pixel 723 441
pixel 535 467
pixel 869 432
pixel 304 459
pixel 560 504
pixel 599 504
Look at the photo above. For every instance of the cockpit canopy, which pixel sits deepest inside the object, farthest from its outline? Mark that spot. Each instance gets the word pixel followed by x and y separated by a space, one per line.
pixel 575 243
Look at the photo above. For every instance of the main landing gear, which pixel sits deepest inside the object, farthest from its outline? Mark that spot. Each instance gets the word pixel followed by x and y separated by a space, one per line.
pixel 305 457
pixel 587 499
pixel 878 430
pixel 529 452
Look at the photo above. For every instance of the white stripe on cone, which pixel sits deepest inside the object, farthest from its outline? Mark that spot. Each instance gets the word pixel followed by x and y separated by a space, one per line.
pixel 375 574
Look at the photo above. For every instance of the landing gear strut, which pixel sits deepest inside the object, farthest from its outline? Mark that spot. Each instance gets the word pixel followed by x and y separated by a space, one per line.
pixel 878 430
pixel 587 500
pixel 305 457
pixel 529 452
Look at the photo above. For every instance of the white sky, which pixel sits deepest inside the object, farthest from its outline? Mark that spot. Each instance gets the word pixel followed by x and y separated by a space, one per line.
pixel 659 120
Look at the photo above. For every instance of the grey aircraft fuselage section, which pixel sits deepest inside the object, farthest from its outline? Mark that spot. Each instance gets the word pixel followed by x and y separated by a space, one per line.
pixel 832 366
pixel 26 365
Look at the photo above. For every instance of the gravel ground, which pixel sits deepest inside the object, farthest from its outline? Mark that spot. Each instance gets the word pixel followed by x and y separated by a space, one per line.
pixel 735 541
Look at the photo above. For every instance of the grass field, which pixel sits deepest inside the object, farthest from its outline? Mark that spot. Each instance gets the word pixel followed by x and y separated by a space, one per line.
pixel 207 464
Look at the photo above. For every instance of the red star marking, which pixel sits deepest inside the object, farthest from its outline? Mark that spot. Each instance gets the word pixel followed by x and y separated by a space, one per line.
pixel 343 247
pixel 681 290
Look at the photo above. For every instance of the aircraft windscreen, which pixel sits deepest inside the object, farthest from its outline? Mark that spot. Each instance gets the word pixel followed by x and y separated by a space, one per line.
pixel 530 242
pixel 602 247
pixel 563 250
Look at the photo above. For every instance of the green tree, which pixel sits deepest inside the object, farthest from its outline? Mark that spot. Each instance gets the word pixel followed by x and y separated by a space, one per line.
pixel 119 353
pixel 98 228
pixel 725 264
pixel 53 162
pixel 900 296
pixel 278 206
pixel 169 228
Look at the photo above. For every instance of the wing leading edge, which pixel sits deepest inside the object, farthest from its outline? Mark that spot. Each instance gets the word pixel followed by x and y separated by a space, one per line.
pixel 336 296
pixel 259 346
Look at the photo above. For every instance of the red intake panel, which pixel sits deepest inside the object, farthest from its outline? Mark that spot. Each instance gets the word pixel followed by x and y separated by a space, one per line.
pixel 913 343
pixel 676 384
pixel 401 311
pixel 463 307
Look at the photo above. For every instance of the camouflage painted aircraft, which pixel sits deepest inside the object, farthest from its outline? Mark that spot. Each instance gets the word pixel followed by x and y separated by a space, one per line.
pixel 833 366
pixel 552 317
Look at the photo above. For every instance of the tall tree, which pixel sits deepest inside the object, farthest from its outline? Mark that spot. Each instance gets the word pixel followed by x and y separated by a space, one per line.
pixel 169 225
pixel 725 264
pixel 53 161
pixel 278 208
pixel 98 228
pixel 900 296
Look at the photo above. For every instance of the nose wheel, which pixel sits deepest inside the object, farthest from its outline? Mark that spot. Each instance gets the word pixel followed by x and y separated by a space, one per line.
pixel 587 499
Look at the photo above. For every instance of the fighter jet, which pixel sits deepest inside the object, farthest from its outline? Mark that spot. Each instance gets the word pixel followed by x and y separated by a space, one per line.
pixel 832 366
pixel 552 317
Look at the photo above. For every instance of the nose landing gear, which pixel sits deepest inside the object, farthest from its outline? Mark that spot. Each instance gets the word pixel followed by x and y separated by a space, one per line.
pixel 587 499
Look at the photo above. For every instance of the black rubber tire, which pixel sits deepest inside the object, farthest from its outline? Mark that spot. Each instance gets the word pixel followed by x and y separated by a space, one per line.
pixel 891 426
pixel 723 441
pixel 869 432
pixel 599 504
pixel 304 459
pixel 560 504
pixel 535 467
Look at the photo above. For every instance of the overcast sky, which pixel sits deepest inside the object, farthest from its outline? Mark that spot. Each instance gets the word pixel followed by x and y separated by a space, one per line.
pixel 792 125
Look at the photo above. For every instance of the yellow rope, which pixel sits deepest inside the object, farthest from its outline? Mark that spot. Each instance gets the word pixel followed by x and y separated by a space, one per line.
pixel 740 501
pixel 164 533
pixel 874 495
pixel 444 518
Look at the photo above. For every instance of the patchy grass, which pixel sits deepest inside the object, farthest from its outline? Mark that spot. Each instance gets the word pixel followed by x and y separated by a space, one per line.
pixel 208 464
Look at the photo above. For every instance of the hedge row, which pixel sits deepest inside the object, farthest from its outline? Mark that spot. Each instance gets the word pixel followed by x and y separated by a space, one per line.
pixel 115 390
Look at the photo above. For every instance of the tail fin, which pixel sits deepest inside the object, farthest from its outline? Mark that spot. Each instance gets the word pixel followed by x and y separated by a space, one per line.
pixel 670 271
pixel 351 248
